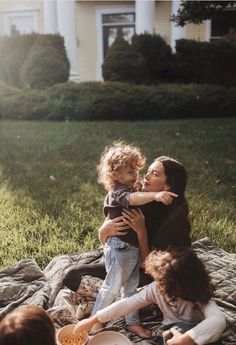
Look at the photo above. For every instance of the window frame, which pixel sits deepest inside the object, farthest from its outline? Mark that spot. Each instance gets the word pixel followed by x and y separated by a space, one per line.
pixel 215 38
pixel 99 27
pixel 9 14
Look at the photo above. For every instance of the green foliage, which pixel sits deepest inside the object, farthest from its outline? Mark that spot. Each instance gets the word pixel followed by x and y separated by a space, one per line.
pixel 157 55
pixel 51 203
pixel 197 11
pixel 149 60
pixel 43 67
pixel 33 60
pixel 206 63
pixel 124 63
pixel 90 101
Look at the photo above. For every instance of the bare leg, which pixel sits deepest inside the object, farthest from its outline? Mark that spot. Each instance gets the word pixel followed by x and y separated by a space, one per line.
pixel 74 274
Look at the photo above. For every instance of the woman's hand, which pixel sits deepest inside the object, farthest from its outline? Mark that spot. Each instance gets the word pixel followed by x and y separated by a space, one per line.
pixel 135 219
pixel 165 197
pixel 112 227
pixel 179 338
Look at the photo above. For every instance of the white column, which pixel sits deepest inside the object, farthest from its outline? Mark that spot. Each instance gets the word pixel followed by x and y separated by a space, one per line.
pixel 208 30
pixel 50 16
pixel 177 32
pixel 67 29
pixel 145 16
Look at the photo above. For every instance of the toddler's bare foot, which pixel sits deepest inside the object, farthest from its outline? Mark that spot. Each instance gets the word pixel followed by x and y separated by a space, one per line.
pixel 139 330
pixel 97 326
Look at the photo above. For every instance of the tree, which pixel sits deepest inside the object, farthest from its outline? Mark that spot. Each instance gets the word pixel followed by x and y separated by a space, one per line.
pixel 197 11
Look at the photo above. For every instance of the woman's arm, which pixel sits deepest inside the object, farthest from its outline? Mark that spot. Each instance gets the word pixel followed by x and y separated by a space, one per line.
pixel 112 227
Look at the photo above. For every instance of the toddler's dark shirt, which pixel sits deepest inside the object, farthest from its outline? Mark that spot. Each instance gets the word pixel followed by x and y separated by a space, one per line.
pixel 114 204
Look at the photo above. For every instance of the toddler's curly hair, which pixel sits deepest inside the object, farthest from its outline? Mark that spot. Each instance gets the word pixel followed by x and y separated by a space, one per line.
pixel 179 273
pixel 117 156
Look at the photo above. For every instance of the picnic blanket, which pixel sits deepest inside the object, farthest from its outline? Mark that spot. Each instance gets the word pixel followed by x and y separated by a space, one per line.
pixel 25 283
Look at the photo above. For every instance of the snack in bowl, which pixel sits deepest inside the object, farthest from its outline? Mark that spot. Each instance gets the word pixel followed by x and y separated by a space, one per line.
pixel 72 340
pixel 65 336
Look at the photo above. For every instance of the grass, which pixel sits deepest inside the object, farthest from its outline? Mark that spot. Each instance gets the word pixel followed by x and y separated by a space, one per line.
pixel 50 201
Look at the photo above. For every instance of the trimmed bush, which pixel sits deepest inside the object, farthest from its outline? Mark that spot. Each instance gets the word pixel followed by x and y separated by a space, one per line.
pixel 43 67
pixel 117 101
pixel 194 62
pixel 20 64
pixel 123 63
pixel 157 54
pixel 205 63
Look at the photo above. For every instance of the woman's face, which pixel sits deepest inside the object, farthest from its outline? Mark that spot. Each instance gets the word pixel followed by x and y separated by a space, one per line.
pixel 155 178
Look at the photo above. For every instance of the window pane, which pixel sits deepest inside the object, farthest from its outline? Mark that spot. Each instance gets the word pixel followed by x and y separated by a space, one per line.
pixel 112 34
pixel 118 18
pixel 127 33
pixel 222 26
pixel 21 24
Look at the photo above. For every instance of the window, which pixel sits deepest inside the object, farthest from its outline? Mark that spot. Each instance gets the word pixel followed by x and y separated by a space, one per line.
pixel 224 25
pixel 19 22
pixel 117 25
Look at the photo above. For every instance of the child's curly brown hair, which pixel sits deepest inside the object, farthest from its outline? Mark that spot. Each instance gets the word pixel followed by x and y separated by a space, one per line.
pixel 117 156
pixel 179 273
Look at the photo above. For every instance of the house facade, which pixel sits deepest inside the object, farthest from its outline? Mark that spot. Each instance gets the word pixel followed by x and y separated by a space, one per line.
pixel 90 27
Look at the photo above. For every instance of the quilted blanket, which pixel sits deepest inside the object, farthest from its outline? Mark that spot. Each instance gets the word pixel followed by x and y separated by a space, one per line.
pixel 25 283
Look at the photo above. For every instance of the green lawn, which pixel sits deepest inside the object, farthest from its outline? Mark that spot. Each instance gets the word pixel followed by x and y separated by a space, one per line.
pixel 51 203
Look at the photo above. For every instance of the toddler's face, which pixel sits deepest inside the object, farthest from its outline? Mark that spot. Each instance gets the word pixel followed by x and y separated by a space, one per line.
pixel 127 175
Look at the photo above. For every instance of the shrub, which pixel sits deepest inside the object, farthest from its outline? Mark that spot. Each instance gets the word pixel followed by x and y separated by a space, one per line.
pixel 90 101
pixel 43 67
pixel 123 63
pixel 157 54
pixel 20 50
pixel 206 63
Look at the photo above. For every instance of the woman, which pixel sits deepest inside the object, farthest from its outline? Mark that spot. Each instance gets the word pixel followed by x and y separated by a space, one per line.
pixel 167 226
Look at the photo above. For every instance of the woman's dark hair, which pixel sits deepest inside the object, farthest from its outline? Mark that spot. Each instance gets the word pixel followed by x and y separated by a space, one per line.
pixel 175 228
pixel 179 273
pixel 28 325
pixel 175 173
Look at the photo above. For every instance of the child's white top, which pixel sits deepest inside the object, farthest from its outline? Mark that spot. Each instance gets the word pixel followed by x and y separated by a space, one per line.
pixel 211 321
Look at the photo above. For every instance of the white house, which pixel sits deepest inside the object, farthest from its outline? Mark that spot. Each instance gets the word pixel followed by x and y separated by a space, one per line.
pixel 90 27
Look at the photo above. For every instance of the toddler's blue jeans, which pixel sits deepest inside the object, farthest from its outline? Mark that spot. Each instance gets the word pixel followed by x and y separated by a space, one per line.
pixel 122 267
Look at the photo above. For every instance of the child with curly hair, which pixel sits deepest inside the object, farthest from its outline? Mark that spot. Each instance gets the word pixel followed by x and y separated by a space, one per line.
pixel 118 171
pixel 182 290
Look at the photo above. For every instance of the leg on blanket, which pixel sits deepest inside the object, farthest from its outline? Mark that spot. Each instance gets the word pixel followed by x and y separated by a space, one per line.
pixel 74 274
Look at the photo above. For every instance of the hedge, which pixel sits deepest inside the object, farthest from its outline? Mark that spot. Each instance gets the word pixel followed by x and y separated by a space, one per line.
pixel 194 62
pixel 33 60
pixel 205 62
pixel 116 101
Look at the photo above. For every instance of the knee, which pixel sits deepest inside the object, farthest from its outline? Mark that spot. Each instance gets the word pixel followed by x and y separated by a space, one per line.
pixel 72 278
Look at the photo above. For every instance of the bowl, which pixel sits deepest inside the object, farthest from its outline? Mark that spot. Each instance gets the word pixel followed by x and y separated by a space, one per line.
pixel 109 338
pixel 68 331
